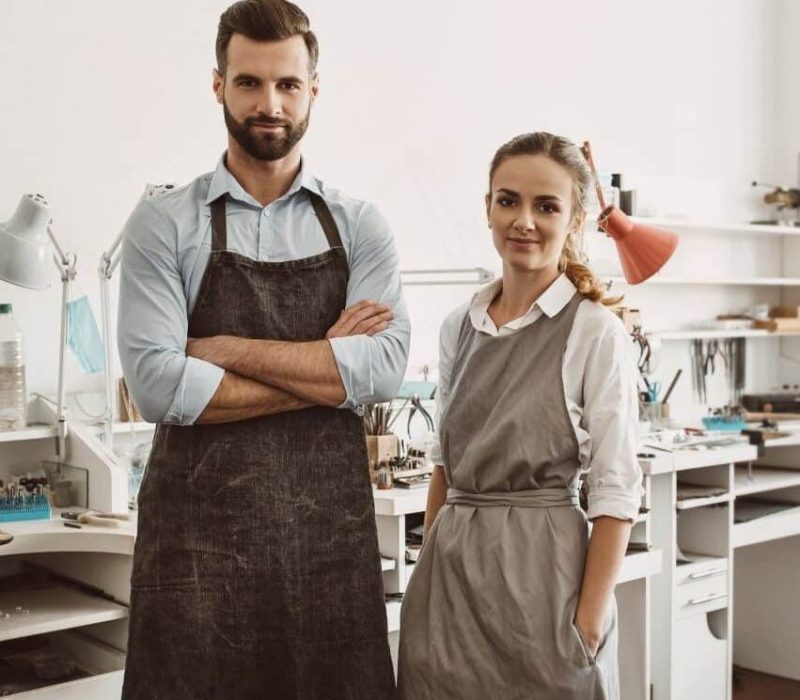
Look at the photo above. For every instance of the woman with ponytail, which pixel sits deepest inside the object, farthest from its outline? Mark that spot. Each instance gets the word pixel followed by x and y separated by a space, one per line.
pixel 512 597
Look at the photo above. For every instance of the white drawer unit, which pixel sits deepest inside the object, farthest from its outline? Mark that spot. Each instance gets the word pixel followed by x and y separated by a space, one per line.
pixel 702 569
pixel 701 587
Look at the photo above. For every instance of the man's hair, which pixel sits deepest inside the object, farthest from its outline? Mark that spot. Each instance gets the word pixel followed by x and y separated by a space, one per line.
pixel 264 20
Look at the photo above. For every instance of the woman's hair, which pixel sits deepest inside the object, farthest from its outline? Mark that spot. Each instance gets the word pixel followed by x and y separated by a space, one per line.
pixel 570 157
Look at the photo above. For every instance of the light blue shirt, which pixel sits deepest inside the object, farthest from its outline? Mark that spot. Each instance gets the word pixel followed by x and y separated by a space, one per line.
pixel 165 251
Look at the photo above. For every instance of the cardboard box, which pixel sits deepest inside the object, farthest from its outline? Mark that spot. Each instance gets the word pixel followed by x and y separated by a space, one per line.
pixel 785 312
pixel 779 324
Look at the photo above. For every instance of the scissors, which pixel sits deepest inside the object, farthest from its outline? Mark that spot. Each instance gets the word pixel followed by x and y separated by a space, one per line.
pixel 709 361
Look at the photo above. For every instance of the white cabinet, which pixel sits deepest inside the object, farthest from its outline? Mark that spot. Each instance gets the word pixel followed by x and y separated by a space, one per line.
pixel 700 669
pixel 82 610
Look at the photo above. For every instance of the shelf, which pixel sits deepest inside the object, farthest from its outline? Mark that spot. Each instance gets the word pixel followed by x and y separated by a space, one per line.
pixel 764 479
pixel 718 281
pixel 715 334
pixel 400 501
pixel 393 615
pixel 785 523
pixel 640 565
pixel 34 536
pixel 689 503
pixel 32 432
pixel 138 427
pixel 388 564
pixel 753 229
pixel 104 663
pixel 53 609
pixel 694 459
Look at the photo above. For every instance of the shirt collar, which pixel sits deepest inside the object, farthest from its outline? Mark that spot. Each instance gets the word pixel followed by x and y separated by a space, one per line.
pixel 550 302
pixel 223 182
pixel 556 296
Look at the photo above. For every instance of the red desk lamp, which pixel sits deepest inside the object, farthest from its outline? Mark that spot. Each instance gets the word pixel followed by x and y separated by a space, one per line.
pixel 643 250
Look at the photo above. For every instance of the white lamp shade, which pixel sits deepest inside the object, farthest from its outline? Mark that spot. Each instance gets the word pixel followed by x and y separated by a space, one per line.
pixel 24 250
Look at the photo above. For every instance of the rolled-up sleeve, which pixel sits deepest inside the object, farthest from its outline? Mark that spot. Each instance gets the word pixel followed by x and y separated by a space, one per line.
pixel 372 368
pixel 165 385
pixel 610 416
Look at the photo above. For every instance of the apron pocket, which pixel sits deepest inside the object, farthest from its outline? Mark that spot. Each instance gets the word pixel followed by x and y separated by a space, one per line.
pixel 590 659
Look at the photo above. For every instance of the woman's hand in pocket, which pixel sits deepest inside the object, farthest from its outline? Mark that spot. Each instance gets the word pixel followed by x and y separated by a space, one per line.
pixel 591 632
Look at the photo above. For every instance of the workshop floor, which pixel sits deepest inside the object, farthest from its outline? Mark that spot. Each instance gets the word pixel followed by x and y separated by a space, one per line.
pixel 752 685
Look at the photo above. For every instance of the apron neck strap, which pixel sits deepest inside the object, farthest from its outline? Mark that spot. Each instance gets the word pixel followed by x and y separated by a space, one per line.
pixel 325 219
pixel 219 224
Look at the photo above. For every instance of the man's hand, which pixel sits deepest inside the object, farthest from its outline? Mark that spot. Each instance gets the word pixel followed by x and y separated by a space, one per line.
pixel 365 318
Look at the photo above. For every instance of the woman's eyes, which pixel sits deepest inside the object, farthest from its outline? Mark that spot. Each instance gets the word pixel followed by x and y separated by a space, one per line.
pixel 545 207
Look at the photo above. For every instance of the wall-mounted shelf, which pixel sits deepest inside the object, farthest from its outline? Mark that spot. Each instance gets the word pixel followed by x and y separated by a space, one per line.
pixel 718 334
pixel 32 432
pixel 718 281
pixel 751 229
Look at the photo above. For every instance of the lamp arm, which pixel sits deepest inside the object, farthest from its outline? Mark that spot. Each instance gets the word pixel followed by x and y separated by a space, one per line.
pixel 67 267
pixel 110 259
pixel 586 149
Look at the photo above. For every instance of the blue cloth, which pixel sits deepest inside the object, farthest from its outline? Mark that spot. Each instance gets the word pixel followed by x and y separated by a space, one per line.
pixel 83 337
pixel 166 247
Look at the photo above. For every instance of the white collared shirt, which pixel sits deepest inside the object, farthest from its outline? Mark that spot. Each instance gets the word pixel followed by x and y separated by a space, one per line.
pixel 600 387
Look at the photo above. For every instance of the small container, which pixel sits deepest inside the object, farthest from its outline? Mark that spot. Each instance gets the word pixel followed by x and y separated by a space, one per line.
pixel 62 494
pixel 384 478
pixel 627 202
pixel 654 412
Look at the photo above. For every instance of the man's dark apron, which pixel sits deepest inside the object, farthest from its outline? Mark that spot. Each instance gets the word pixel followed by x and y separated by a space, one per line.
pixel 256 572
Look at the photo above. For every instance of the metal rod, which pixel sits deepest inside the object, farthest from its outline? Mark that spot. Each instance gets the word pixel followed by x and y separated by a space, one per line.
pixel 105 316
pixel 587 153
pixel 62 351
pixel 672 386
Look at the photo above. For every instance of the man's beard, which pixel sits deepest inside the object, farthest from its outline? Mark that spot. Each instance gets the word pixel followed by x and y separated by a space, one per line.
pixel 263 145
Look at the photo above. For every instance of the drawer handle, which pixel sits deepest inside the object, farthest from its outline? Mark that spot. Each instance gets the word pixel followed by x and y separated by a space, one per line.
pixel 706 574
pixel 707 599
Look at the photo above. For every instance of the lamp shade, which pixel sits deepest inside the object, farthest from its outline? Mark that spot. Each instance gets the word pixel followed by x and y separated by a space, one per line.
pixel 24 248
pixel 643 250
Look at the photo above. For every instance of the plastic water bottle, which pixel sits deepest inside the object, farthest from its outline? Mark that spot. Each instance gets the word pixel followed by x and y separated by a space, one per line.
pixel 13 397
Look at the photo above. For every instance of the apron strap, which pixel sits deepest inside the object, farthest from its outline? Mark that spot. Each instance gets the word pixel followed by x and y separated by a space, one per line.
pixel 219 225
pixel 325 219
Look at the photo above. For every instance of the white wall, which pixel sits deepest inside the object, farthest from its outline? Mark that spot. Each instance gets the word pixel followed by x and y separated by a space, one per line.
pixel 101 97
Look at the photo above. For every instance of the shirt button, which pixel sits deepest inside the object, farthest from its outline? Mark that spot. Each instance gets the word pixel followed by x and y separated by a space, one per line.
pixel 266 213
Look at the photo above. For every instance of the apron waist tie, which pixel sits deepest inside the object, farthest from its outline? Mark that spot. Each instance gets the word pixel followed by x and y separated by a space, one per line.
pixel 531 498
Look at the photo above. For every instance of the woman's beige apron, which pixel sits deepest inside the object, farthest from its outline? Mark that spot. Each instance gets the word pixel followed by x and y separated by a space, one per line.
pixel 489 610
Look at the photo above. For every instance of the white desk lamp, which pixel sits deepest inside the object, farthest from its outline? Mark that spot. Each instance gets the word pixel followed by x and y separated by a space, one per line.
pixel 23 240
pixel 108 263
